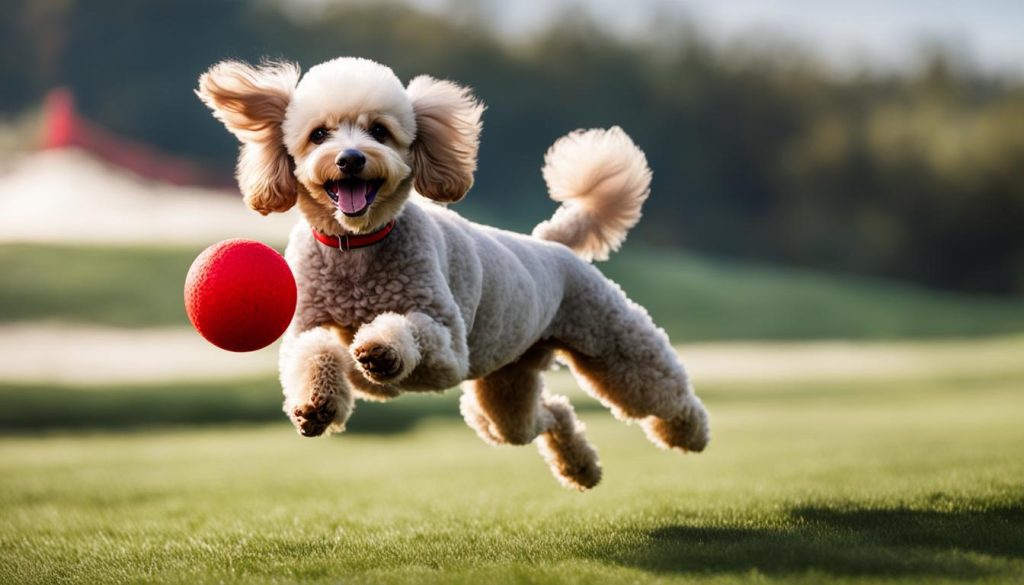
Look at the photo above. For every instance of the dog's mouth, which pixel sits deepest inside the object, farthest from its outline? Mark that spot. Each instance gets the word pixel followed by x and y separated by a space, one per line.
pixel 352 195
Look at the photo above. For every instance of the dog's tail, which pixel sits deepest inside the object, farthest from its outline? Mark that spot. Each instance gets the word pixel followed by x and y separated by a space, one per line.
pixel 601 179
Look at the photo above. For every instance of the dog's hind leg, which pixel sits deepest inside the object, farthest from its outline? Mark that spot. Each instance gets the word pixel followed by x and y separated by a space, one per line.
pixel 510 406
pixel 672 416
pixel 634 386
pixel 621 358
pixel 565 448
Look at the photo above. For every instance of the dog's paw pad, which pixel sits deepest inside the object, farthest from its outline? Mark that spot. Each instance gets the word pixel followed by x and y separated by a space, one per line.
pixel 313 418
pixel 379 361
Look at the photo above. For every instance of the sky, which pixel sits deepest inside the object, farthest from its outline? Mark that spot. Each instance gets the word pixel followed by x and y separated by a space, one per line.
pixel 885 33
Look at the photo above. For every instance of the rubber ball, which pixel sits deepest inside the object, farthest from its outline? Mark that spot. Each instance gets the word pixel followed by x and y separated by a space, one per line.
pixel 240 295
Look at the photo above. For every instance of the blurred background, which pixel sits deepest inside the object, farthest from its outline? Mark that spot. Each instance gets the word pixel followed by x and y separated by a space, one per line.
pixel 868 139
pixel 834 241
pixel 851 172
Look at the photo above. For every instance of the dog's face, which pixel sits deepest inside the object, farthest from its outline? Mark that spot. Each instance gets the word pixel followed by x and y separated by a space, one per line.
pixel 349 128
pixel 347 142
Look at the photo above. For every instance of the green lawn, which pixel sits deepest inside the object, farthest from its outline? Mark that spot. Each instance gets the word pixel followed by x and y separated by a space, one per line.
pixel 909 481
pixel 694 298
pixel 125 287
pixel 30 408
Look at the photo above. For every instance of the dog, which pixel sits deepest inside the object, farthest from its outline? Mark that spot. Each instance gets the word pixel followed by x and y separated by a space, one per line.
pixel 397 293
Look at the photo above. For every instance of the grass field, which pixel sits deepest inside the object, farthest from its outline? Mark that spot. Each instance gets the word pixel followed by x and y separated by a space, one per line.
pixel 693 298
pixel 879 463
pixel 916 480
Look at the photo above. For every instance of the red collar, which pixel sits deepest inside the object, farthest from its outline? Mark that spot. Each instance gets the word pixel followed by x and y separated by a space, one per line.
pixel 351 241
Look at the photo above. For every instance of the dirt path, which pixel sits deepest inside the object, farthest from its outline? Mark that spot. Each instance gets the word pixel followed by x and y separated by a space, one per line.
pixel 81 355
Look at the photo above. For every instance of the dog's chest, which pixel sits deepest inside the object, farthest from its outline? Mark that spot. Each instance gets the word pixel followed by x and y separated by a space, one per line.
pixel 350 302
pixel 351 289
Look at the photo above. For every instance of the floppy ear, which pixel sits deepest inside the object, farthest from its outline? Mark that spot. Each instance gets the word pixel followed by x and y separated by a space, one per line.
pixel 251 102
pixel 447 138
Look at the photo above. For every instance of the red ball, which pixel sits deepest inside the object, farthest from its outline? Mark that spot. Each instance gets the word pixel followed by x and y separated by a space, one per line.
pixel 240 295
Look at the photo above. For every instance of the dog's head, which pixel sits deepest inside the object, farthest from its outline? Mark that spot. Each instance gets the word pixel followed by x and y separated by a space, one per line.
pixel 347 142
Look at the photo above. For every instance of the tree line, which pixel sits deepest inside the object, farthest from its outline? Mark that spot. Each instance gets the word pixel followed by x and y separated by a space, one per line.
pixel 758 150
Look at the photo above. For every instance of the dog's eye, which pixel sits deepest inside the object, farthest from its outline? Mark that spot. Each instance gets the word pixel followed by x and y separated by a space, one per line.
pixel 379 132
pixel 318 136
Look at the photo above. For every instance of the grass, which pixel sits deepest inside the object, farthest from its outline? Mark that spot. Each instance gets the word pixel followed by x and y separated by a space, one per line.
pixel 30 408
pixel 693 298
pixel 124 287
pixel 777 371
pixel 913 478
pixel 697 298
pixel 909 481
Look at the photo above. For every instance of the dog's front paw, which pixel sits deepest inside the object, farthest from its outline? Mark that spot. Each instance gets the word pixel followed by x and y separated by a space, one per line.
pixel 379 362
pixel 312 420
pixel 317 398
pixel 321 414
pixel 385 349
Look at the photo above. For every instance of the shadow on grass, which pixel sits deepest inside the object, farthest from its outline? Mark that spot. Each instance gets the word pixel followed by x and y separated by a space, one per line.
pixel 27 408
pixel 970 543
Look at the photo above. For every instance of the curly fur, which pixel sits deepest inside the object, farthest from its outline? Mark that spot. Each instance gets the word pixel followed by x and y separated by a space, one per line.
pixel 601 179
pixel 444 156
pixel 312 377
pixel 442 300
pixel 251 102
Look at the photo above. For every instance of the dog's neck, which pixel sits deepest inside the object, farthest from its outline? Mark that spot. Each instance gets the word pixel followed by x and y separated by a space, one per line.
pixel 348 241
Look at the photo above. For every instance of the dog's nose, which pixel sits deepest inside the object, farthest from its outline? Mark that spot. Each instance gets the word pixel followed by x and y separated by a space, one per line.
pixel 351 161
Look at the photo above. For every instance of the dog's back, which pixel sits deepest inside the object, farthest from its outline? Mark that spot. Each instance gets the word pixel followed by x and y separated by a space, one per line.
pixel 509 286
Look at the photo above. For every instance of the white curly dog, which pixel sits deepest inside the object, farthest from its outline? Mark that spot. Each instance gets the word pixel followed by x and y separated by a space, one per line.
pixel 400 294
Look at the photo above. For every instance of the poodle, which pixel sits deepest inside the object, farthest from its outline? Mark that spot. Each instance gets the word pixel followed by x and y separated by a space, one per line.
pixel 398 294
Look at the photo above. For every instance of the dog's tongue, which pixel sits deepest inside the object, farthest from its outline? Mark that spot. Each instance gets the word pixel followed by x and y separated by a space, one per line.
pixel 352 195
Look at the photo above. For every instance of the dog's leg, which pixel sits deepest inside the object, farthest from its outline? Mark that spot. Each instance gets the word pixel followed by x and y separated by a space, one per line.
pixel 316 397
pixel 565 448
pixel 511 407
pixel 390 347
pixel 686 431
pixel 625 361
pixel 646 382
pixel 504 407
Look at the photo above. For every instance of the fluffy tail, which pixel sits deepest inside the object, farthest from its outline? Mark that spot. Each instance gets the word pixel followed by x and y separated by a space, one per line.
pixel 601 179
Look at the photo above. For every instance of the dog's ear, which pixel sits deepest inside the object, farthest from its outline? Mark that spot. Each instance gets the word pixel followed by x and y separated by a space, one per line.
pixel 251 102
pixel 447 138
